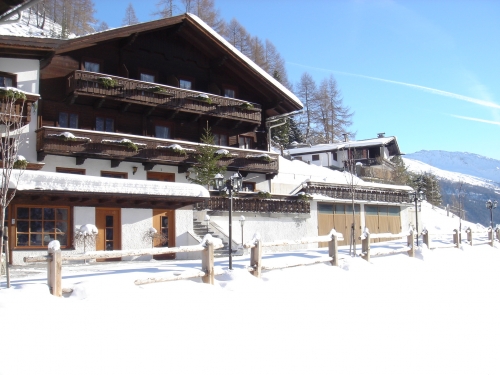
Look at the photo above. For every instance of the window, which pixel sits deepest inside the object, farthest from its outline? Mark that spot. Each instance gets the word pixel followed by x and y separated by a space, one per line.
pixel 161 176
pixel 92 66
pixel 229 93
pixel 185 84
pixel 245 142
pixel 70 170
pixel 7 80
pixel 36 226
pixel 162 131
pixel 68 120
pixel 315 157
pixel 334 155
pixel 221 139
pixel 147 77
pixel 123 175
pixel 248 186
pixel 104 124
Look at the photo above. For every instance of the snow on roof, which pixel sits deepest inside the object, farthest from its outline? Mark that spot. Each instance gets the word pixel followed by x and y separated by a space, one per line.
pixel 248 61
pixel 51 181
pixel 297 172
pixel 342 145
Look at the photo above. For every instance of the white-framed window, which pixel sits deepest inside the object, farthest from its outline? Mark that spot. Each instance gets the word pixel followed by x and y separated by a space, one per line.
pixel 91 66
pixel 185 84
pixel 147 77
pixel 229 93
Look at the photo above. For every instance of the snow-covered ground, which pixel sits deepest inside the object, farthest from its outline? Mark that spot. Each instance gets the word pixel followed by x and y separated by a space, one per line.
pixel 433 314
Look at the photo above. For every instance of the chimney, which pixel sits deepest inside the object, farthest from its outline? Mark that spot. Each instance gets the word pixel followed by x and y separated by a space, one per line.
pixel 381 135
pixel 345 137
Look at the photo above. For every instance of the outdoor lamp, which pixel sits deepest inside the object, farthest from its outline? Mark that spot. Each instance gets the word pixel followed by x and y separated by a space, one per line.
pixel 219 181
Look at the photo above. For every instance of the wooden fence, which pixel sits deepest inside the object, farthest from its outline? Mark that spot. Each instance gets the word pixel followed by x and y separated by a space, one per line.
pixel 54 260
pixel 457 237
pixel 256 246
pixel 366 252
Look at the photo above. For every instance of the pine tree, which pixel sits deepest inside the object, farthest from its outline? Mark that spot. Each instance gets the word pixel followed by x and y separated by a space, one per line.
pixel 401 175
pixel 207 159
pixel 130 17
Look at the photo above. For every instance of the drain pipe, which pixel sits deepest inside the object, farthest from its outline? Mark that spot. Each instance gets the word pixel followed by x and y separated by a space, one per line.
pixel 272 119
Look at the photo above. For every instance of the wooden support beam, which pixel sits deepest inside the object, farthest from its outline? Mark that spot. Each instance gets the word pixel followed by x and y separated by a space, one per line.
pixel 40 156
pixel 149 111
pixel 182 168
pixel 72 98
pixel 124 107
pixel 173 114
pixel 80 160
pixel 115 163
pixel 148 166
pixel 99 103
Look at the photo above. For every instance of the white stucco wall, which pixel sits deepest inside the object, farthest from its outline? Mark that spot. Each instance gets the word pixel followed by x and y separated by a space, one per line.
pixel 135 224
pixel 27 80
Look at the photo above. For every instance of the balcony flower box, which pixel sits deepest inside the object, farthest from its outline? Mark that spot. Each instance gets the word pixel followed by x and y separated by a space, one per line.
pixel 203 98
pixel 249 107
pixel 108 82
pixel 225 154
pixel 263 158
pixel 125 143
pixel 176 149
pixel 69 137
pixel 11 93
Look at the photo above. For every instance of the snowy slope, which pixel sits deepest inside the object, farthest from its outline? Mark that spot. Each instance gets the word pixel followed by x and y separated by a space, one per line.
pixel 461 162
pixel 27 27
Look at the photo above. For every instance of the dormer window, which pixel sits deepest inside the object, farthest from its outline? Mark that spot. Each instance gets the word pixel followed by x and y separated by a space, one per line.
pixel 185 84
pixel 92 66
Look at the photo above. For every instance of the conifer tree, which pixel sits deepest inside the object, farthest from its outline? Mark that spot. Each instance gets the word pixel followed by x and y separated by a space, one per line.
pixel 207 159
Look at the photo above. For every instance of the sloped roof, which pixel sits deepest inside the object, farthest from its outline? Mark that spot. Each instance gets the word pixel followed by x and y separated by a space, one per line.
pixel 383 141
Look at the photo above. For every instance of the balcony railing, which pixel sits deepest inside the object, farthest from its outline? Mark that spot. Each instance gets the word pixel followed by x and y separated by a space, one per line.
pixel 18 112
pixel 147 150
pixel 364 194
pixel 154 94
pixel 256 205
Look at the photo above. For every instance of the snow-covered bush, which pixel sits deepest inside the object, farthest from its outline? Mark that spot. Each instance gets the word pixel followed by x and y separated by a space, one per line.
pixel 20 163
pixel 86 235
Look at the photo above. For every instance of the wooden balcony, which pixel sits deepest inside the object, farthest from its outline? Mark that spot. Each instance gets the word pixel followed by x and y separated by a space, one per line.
pixel 148 151
pixel 18 111
pixel 251 204
pixel 80 83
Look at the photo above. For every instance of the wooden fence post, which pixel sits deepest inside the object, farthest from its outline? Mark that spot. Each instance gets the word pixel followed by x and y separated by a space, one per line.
pixel 425 238
pixel 54 272
pixel 491 237
pixel 207 262
pixel 333 248
pixel 498 233
pixel 256 258
pixel 456 238
pixel 469 235
pixel 365 246
pixel 411 244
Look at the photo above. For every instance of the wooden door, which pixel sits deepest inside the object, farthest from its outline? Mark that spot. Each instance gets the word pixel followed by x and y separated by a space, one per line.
pixel 108 223
pixel 164 223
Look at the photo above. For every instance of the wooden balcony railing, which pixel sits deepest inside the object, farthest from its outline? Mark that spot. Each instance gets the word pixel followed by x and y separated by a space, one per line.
pixel 154 94
pixel 256 205
pixel 18 112
pixel 360 193
pixel 147 150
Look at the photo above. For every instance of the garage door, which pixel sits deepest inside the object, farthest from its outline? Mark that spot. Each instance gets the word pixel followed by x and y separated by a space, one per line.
pixel 382 219
pixel 339 217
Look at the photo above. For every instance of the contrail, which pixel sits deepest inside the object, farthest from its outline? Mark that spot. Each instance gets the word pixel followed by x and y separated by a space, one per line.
pixel 477 119
pixel 448 94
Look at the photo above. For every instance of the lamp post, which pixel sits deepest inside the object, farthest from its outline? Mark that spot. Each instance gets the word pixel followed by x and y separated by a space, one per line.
pixel 234 183
pixel 491 205
pixel 242 223
pixel 417 198
pixel 207 219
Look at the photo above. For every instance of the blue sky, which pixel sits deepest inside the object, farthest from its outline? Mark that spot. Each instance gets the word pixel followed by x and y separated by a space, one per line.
pixel 424 71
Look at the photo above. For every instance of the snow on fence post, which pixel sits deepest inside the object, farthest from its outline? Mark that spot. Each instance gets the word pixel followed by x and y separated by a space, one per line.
pixel 54 268
pixel 256 256
pixel 333 248
pixel 411 243
pixel 365 244
pixel 469 235
pixel 498 233
pixel 207 260
pixel 425 238
pixel 491 237
pixel 456 238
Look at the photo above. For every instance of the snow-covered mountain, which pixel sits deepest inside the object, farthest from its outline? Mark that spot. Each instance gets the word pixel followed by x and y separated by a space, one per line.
pixel 460 162
pixel 480 178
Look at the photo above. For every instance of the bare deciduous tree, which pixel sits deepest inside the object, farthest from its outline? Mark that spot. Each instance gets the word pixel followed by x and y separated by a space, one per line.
pixel 130 17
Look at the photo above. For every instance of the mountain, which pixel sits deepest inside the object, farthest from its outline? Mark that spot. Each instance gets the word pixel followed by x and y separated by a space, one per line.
pixel 460 162
pixel 473 177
